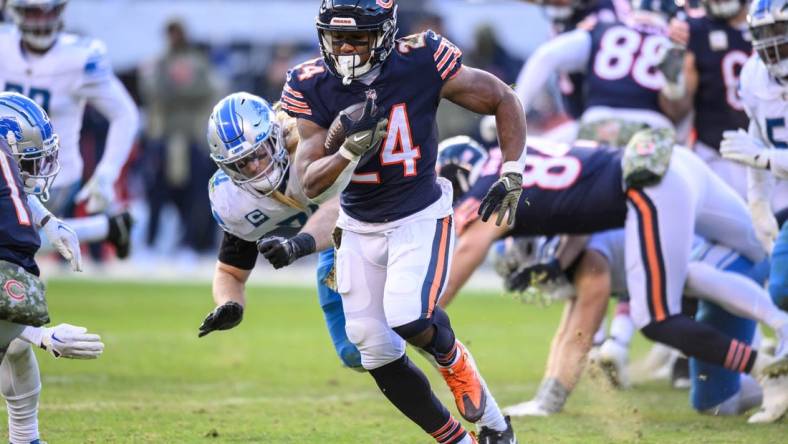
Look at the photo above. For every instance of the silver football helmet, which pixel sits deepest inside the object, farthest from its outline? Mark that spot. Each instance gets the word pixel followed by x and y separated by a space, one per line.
pixel 246 142
pixel 39 21
pixel 768 21
pixel 27 130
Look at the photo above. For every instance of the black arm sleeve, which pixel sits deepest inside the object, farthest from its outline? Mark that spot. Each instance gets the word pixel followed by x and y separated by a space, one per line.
pixel 237 252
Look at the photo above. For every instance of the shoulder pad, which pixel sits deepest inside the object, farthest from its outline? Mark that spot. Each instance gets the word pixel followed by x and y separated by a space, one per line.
pixel 445 56
pixel 302 80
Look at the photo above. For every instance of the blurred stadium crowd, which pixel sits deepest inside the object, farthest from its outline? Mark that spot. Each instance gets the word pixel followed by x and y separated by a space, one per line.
pixel 165 180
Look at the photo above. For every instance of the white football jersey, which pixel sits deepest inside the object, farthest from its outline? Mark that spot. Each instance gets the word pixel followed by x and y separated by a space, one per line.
pixel 61 80
pixel 248 217
pixel 766 102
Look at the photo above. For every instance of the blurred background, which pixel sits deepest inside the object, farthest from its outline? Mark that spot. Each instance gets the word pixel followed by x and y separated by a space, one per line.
pixel 178 57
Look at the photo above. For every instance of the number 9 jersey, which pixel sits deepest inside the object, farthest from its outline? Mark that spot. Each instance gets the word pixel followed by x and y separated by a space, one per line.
pixel 400 180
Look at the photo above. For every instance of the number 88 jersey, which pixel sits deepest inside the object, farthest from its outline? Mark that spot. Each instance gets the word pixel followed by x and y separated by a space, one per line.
pixel 566 190
pixel 622 70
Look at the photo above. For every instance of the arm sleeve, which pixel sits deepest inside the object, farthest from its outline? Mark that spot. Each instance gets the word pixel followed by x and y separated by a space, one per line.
pixel 568 52
pixel 237 252
pixel 105 92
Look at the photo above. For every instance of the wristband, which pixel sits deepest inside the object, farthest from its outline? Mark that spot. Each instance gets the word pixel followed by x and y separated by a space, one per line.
pixel 512 166
pixel 303 244
pixel 347 154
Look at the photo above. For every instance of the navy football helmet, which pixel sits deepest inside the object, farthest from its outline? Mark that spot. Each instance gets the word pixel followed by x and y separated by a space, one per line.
pixel 460 159
pixel 376 17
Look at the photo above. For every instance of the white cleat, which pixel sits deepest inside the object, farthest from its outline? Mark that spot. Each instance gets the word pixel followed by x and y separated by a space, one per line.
pixel 533 407
pixel 774 381
pixel 613 359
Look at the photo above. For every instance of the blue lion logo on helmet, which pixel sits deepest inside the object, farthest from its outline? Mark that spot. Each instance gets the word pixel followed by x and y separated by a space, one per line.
pixel 9 124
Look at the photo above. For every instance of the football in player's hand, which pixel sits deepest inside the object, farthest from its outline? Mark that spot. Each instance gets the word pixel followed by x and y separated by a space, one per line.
pixel 337 132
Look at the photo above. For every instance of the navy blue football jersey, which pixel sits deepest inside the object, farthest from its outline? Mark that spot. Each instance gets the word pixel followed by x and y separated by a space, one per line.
pixel 573 91
pixel 720 52
pixel 400 179
pixel 622 70
pixel 19 239
pixel 572 190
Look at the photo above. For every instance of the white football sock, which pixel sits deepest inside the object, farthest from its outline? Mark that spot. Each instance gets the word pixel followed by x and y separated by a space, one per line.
pixel 599 336
pixel 20 384
pixel 621 327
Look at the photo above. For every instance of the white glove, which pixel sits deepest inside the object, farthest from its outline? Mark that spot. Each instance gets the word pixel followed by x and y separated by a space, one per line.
pixel 99 192
pixel 740 147
pixel 70 341
pixel 65 240
pixel 765 224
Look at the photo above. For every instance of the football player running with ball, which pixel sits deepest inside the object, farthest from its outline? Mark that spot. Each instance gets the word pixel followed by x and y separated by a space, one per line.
pixel 395 233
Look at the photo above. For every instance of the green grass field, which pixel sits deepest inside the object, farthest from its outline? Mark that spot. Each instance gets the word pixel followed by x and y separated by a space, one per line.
pixel 275 378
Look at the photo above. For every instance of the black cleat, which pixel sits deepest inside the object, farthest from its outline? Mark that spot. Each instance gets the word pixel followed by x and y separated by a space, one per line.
pixel 490 436
pixel 120 233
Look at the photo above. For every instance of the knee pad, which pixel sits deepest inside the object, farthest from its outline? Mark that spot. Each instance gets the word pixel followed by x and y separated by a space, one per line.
pixel 376 342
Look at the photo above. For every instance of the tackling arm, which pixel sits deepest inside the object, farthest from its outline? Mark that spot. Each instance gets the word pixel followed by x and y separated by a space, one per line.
pixel 321 224
pixel 471 249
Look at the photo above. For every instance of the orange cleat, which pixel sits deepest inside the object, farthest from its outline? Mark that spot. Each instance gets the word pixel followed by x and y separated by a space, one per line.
pixel 466 384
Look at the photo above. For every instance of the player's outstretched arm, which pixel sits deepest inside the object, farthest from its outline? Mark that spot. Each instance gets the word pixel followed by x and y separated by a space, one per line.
pixel 229 286
pixel 681 76
pixel 483 93
pixel 112 100
pixel 65 341
pixel 566 53
pixel 471 249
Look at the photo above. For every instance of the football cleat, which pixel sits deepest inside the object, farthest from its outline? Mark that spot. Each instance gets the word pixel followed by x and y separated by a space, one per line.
pixel 120 233
pixel 613 358
pixel 490 436
pixel 774 381
pixel 466 385
pixel 534 407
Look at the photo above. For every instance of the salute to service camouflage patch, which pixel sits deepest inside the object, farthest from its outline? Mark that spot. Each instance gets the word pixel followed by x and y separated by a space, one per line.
pixel 612 132
pixel 22 296
pixel 647 157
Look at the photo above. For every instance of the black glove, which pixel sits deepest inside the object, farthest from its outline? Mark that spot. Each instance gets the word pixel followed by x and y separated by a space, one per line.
pixel 223 317
pixel 672 63
pixel 521 279
pixel 502 196
pixel 282 252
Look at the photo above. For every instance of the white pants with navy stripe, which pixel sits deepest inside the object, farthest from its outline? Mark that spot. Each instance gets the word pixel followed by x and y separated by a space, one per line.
pixel 660 226
pixel 393 276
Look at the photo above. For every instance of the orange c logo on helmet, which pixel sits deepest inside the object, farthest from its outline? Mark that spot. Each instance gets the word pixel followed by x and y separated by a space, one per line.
pixel 385 4
pixel 15 289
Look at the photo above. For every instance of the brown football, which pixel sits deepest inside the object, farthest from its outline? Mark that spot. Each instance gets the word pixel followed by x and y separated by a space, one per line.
pixel 336 132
